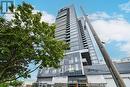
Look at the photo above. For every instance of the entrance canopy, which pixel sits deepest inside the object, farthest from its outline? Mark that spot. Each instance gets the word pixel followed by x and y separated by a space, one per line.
pixel 96 79
pixel 61 79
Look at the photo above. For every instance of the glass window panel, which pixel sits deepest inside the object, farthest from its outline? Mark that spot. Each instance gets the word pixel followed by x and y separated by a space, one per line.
pixel 74 35
pixel 62 69
pixel 58 31
pixel 74 43
pixel 62 28
pixel 54 71
pixel 60 25
pixel 76 59
pixel 46 71
pixel 75 48
pixel 61 18
pixel 76 66
pixel 71 68
pixel 62 36
pixel 62 14
pixel 59 70
pixel 73 27
pixel 71 61
pixel 73 30
pixel 61 62
pixel 61 21
pixel 66 68
pixel 73 39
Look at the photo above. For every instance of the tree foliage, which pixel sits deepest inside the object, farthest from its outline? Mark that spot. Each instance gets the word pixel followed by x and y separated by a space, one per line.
pixel 4 85
pixel 24 40
pixel 16 83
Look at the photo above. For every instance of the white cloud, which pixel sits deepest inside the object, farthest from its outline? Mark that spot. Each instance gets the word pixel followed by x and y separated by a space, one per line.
pixel 105 16
pixel 125 6
pixel 126 48
pixel 99 15
pixel 48 17
pixel 8 16
pixel 113 28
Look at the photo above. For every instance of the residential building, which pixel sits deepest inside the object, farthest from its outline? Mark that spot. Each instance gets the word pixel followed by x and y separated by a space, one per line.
pixel 80 66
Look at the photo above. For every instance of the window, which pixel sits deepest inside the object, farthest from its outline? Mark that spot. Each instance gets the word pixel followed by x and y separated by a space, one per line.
pixel 73 39
pixel 60 28
pixel 74 35
pixel 71 68
pixel 46 71
pixel 63 12
pixel 76 59
pixel 60 22
pixel 66 61
pixel 74 43
pixel 73 30
pixel 62 36
pixel 71 61
pixel 61 62
pixel 41 71
pixel 91 48
pixel 77 67
pixel 59 70
pixel 75 48
pixel 59 19
pixel 50 71
pixel 66 68
pixel 73 26
pixel 62 69
pixel 54 71
pixel 60 32
pixel 84 60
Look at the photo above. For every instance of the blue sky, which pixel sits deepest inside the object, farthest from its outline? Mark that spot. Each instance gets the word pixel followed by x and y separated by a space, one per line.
pixel 110 18
pixel 51 6
pixel 102 9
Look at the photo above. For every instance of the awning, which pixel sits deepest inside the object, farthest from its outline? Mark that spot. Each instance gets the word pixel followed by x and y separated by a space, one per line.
pixel 96 79
pixel 61 79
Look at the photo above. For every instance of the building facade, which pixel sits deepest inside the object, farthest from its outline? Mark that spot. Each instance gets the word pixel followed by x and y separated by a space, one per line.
pixel 98 75
pixel 79 59
pixel 80 53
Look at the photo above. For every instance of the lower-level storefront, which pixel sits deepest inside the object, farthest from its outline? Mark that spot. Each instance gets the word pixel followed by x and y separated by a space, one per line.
pixel 82 81
pixel 63 81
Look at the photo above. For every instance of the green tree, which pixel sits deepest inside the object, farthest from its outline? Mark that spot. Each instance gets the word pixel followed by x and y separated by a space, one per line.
pixel 16 83
pixel 27 40
pixel 4 85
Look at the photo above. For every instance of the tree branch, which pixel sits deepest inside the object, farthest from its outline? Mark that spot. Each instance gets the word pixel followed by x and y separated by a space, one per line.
pixel 7 80
pixel 1 73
